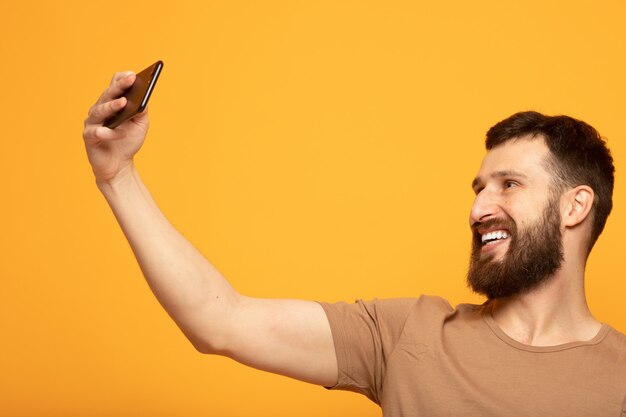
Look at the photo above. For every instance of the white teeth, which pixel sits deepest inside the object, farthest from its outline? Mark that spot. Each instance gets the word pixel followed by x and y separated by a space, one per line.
pixel 492 236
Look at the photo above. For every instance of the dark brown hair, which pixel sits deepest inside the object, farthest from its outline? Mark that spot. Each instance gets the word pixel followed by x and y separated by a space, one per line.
pixel 579 156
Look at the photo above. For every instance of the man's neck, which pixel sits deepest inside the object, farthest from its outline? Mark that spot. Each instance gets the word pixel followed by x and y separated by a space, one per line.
pixel 552 314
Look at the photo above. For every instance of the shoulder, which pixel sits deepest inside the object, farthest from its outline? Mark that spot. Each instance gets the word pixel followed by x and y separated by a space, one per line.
pixel 393 308
pixel 611 358
pixel 387 316
pixel 615 342
pixel 618 337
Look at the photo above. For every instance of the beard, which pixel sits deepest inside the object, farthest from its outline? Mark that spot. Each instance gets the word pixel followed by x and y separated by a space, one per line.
pixel 533 256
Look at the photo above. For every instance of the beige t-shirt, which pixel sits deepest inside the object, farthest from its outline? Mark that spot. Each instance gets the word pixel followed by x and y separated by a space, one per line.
pixel 421 357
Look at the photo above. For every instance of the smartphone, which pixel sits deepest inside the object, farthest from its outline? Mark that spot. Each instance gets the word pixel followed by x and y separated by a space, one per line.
pixel 137 95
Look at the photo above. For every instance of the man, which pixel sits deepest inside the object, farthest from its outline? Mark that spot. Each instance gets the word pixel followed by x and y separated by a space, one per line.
pixel 543 193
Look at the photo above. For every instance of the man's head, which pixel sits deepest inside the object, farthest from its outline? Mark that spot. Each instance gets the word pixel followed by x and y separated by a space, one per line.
pixel 533 161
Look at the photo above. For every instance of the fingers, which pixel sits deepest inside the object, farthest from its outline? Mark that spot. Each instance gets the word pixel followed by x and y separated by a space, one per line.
pixel 107 105
pixel 110 101
pixel 99 112
pixel 95 134
pixel 119 75
pixel 120 82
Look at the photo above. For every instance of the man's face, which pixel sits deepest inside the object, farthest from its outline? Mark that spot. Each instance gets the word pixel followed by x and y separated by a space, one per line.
pixel 515 221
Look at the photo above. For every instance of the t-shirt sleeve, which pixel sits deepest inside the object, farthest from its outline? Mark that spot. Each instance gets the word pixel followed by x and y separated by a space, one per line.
pixel 365 333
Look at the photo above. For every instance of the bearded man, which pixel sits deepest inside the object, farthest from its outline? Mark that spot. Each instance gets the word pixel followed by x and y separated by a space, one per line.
pixel 543 194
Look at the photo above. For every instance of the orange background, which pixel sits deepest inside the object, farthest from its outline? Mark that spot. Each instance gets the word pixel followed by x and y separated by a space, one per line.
pixel 311 149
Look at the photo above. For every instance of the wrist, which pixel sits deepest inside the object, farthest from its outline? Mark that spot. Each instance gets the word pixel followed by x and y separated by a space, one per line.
pixel 124 177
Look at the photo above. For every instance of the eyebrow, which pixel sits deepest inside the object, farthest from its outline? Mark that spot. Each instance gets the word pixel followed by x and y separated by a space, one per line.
pixel 498 174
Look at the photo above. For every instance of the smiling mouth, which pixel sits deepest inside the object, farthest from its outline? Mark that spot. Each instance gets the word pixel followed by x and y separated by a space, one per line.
pixel 494 237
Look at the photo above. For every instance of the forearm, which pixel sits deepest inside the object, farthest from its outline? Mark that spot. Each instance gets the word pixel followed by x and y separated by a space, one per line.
pixel 190 289
pixel 289 337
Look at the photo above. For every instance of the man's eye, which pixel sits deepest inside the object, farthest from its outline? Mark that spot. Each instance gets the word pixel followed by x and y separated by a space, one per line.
pixel 510 184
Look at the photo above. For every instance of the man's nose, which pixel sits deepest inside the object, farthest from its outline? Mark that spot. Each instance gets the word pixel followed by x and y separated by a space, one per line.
pixel 485 207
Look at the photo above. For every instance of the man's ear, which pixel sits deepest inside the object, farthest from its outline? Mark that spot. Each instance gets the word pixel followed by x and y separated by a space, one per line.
pixel 578 205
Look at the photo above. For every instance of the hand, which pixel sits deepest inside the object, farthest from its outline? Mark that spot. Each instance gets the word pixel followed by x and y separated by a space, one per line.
pixel 111 151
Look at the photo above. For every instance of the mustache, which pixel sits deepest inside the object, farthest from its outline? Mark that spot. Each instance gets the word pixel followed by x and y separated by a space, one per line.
pixel 504 223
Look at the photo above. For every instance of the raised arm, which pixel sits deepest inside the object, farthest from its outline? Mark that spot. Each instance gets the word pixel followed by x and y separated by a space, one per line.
pixel 288 337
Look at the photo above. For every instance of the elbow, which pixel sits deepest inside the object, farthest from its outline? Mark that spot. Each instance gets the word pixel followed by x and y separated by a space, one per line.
pixel 210 331
pixel 201 346
pixel 207 346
